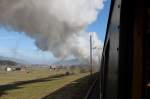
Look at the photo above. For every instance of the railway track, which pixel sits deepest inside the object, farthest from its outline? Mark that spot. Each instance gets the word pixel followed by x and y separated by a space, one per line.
pixel 94 90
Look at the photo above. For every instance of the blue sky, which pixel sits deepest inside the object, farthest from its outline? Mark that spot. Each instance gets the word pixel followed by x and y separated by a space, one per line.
pixel 100 24
pixel 18 45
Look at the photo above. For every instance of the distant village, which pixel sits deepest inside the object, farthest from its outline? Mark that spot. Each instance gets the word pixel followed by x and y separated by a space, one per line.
pixel 13 66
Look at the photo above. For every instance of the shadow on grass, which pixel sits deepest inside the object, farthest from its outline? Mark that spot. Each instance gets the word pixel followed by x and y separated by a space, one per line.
pixel 16 85
pixel 75 90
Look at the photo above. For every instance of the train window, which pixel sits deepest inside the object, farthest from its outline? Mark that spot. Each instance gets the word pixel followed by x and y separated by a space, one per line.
pixel 44 47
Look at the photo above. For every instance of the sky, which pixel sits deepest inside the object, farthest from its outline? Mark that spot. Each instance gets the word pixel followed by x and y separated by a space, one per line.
pixel 100 24
pixel 22 47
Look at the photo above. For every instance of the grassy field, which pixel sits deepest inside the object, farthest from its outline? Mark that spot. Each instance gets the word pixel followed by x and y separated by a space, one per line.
pixel 43 84
pixel 35 73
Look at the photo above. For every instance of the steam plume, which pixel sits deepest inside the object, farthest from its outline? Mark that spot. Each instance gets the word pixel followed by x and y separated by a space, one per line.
pixel 56 25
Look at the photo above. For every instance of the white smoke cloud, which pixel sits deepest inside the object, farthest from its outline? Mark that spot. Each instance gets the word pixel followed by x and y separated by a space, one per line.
pixel 80 48
pixel 56 25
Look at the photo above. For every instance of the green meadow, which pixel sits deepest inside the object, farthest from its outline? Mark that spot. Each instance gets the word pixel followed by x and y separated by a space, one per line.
pixel 40 83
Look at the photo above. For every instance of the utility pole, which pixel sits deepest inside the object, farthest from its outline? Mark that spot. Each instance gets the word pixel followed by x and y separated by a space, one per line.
pixel 91 62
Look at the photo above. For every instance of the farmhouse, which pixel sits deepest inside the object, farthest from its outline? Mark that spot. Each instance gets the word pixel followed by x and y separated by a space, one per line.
pixel 9 69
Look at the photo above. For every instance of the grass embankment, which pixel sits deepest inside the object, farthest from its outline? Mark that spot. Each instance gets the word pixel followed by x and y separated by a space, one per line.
pixel 43 84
